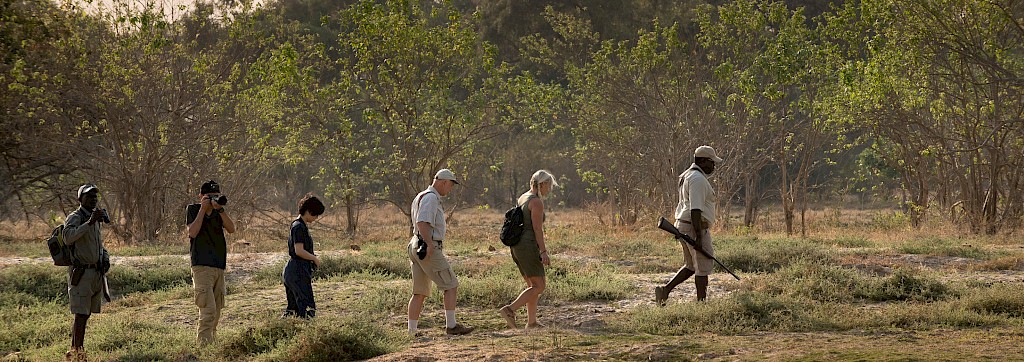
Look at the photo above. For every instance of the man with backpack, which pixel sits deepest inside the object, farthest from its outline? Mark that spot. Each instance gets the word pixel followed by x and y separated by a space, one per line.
pixel 86 284
pixel 206 223
pixel 426 254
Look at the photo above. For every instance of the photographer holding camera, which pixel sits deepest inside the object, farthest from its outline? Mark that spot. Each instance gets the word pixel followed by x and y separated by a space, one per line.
pixel 207 222
pixel 86 285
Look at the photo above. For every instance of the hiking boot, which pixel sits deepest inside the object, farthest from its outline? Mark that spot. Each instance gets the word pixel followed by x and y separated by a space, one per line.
pixel 75 355
pixel 458 330
pixel 510 316
pixel 660 295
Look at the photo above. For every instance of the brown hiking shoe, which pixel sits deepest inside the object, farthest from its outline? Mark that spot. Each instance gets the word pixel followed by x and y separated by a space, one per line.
pixel 458 330
pixel 660 295
pixel 75 355
pixel 510 316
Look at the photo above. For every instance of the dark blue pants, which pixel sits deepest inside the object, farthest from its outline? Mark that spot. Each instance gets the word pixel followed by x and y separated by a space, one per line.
pixel 298 286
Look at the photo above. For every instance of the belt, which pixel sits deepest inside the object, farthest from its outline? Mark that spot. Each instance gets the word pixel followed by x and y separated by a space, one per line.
pixel 703 224
pixel 439 242
pixel 87 266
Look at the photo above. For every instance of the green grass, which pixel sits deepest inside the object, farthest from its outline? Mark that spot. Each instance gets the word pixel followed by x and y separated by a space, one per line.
pixel 945 247
pixel 753 254
pixel 34 282
pixel 325 338
pixel 791 286
pixel 388 266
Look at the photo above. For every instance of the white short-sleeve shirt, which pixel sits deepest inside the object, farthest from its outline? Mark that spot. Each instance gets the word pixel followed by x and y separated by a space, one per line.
pixel 696 193
pixel 426 207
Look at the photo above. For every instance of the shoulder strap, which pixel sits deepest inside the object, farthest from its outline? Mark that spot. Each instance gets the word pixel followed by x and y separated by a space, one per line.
pixel 418 201
pixel 682 176
pixel 531 197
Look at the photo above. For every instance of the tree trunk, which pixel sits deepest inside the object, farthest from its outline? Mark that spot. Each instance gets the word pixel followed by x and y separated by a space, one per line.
pixel 750 199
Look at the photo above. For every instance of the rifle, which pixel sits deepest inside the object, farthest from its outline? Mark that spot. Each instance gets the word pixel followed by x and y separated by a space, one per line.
pixel 665 225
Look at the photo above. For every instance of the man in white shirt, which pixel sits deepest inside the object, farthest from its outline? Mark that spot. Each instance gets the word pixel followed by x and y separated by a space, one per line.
pixel 695 213
pixel 429 264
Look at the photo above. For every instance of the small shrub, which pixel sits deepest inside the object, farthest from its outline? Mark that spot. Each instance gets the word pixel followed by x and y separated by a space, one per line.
pixel 742 312
pixel 391 297
pixel 1003 299
pixel 332 268
pixel 391 265
pixel 760 255
pixel 137 339
pixel 905 285
pixel 31 326
pixel 43 282
pixel 890 220
pixel 346 339
pixel 943 247
pixel 583 282
pixel 262 338
pixel 812 281
pixel 1001 263
pixel 127 280
pixel 843 242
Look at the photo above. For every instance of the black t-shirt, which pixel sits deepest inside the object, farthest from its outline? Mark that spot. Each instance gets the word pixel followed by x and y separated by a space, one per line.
pixel 299 235
pixel 208 248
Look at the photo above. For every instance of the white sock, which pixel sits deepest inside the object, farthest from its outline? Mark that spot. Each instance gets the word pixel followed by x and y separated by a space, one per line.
pixel 449 318
pixel 413 324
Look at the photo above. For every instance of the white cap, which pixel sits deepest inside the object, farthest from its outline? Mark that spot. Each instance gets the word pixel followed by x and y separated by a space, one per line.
pixel 446 174
pixel 707 152
pixel 84 189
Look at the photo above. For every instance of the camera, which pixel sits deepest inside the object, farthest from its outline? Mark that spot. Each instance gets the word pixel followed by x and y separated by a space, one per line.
pixel 421 248
pixel 220 199
pixel 106 218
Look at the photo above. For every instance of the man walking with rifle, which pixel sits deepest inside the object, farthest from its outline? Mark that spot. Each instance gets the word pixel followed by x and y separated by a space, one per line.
pixel 695 213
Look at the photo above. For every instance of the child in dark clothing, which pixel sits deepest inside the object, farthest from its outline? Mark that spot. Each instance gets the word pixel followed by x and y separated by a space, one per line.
pixel 297 275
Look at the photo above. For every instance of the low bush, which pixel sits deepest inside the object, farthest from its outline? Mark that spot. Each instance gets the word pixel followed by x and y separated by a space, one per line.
pixel 752 254
pixel 264 337
pixel 943 247
pixel 905 284
pixel 341 339
pixel 43 282
pixel 149 277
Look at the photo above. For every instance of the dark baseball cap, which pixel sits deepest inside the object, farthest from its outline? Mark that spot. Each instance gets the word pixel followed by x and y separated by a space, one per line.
pixel 210 187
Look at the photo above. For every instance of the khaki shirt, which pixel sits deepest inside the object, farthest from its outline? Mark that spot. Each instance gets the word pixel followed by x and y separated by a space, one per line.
pixel 83 237
pixel 426 207
pixel 696 193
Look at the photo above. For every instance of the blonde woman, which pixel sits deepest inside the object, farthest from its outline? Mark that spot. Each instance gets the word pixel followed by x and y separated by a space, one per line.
pixel 531 254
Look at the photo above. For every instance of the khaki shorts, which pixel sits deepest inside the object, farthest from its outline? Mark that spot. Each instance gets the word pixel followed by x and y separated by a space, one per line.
pixel 85 298
pixel 700 264
pixel 434 268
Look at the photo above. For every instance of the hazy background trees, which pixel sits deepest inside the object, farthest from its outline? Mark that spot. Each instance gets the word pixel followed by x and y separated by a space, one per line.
pixel 918 102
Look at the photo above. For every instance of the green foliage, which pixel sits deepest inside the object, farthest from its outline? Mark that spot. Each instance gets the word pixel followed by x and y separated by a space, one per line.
pixel 324 338
pixel 267 335
pixel 1002 298
pixel 943 247
pixel 168 274
pixel 29 324
pixel 906 285
pixel 754 254
pixel 388 267
pixel 342 339
pixel 32 283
